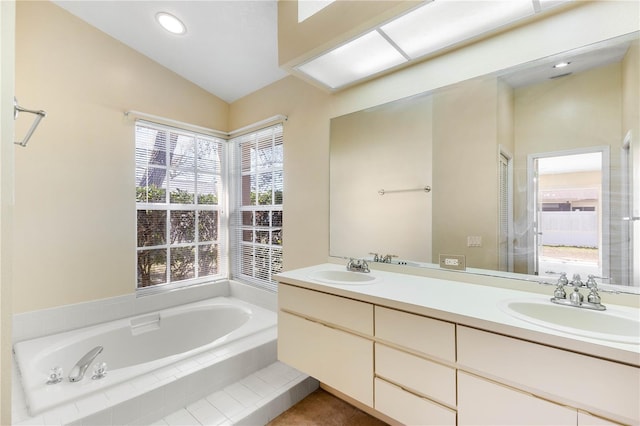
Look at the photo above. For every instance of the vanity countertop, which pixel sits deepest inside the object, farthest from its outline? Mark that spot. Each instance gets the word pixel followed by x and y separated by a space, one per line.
pixel 466 304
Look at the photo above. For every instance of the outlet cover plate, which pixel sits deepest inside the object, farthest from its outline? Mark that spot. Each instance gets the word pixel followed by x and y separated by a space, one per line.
pixel 453 261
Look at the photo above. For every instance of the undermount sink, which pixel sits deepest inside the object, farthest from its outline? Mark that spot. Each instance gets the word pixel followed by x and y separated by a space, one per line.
pixel 607 325
pixel 343 277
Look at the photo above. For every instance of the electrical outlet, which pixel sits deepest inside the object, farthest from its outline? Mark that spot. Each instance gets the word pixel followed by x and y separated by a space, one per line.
pixel 474 241
pixel 452 261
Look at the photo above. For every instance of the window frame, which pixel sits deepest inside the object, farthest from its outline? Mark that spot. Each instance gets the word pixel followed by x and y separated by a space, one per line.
pixel 220 183
pixel 238 227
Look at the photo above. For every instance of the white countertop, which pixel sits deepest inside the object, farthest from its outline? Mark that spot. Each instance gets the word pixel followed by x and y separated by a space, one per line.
pixel 466 304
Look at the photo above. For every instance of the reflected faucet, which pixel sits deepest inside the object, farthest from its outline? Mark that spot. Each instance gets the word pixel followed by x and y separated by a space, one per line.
pixel 77 372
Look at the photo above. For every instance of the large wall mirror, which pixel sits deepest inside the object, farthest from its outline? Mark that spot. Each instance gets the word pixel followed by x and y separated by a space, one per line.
pixel 526 173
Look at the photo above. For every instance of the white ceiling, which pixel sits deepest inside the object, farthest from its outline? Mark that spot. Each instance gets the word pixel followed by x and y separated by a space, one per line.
pixel 230 48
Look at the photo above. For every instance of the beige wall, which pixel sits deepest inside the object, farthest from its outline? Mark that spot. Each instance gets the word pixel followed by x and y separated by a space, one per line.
pixel 465 149
pixel 387 147
pixel 74 184
pixel 577 111
pixel 7 77
pixel 306 163
pixel 83 155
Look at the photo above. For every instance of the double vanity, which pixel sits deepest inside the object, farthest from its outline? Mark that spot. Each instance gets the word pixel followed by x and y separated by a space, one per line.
pixel 419 350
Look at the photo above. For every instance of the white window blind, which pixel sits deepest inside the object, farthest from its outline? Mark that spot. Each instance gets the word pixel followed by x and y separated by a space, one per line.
pixel 180 199
pixel 258 216
pixel 505 212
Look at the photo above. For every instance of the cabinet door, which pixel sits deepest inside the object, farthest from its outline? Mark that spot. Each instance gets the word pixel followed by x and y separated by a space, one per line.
pixel 481 402
pixel 329 309
pixel 428 336
pixel 341 360
pixel 435 381
pixel 409 408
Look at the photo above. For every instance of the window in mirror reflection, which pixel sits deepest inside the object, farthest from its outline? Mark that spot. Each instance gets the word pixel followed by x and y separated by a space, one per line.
pixel 569 205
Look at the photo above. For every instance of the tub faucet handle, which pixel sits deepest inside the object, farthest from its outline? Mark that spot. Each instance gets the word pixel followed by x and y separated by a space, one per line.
pixel 99 371
pixel 55 376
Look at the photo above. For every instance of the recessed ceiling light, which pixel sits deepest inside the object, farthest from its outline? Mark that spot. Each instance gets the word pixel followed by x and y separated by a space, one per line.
pixel 561 64
pixel 171 23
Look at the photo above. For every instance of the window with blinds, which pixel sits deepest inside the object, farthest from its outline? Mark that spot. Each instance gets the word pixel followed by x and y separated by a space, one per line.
pixel 180 191
pixel 257 218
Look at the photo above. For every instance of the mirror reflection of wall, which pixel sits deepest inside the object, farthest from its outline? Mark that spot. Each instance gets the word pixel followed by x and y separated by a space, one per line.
pixel 383 148
pixel 477 138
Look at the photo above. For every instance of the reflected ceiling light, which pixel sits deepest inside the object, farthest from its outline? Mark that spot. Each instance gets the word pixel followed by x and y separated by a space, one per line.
pixel 561 64
pixel 443 23
pixel 171 23
pixel 365 56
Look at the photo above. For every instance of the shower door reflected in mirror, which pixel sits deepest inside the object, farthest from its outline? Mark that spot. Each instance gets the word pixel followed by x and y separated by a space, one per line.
pixel 569 203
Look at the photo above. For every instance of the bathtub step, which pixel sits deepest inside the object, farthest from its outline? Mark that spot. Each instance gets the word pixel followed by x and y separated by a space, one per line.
pixel 254 400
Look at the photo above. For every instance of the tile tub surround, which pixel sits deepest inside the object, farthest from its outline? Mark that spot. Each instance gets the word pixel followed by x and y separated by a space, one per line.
pixel 30 325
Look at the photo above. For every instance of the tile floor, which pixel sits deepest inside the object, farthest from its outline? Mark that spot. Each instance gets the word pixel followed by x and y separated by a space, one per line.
pixel 323 409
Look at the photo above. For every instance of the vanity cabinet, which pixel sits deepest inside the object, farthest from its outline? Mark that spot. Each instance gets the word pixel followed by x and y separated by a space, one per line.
pixel 423 370
pixel 326 337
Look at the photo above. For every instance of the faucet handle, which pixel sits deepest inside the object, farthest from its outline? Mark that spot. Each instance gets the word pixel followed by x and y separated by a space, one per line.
pixel 376 257
pixel 387 258
pixel 563 280
pixel 576 282
pixel 591 282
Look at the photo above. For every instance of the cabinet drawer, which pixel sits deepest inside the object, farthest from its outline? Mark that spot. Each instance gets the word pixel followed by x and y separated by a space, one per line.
pixel 339 359
pixel 481 402
pixel 409 408
pixel 430 379
pixel 426 335
pixel 340 311
pixel 602 387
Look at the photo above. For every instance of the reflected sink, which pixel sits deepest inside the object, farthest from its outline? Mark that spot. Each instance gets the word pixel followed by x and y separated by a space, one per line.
pixel 343 277
pixel 614 326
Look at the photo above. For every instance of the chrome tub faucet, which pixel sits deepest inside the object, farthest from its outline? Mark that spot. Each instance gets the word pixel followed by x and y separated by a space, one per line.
pixel 77 372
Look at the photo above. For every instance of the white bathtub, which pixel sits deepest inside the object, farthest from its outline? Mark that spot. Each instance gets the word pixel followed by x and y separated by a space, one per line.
pixel 133 347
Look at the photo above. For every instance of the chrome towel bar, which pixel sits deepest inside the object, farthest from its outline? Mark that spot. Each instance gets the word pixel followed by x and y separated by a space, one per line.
pixel 39 116
pixel 389 191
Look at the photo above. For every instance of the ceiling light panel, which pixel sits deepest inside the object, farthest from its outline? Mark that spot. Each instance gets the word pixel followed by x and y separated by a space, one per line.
pixel 358 59
pixel 443 23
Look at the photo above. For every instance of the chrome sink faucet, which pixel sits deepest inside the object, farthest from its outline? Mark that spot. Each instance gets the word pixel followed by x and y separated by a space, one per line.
pixel 357 265
pixel 576 298
pixel 77 372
